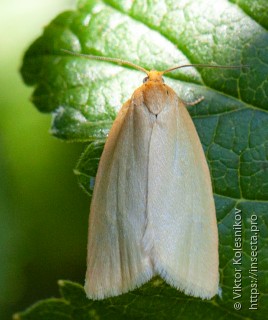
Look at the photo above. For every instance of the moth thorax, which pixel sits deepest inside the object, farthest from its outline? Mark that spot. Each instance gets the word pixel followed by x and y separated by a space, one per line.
pixel 156 96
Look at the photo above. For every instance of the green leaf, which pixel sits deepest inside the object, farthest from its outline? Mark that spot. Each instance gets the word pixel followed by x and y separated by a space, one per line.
pixel 232 122
pixel 155 300
pixel 87 166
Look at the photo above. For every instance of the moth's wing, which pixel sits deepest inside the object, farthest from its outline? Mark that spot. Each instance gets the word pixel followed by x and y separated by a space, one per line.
pixel 116 261
pixel 182 232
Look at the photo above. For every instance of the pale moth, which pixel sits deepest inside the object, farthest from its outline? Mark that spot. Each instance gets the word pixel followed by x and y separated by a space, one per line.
pixel 152 210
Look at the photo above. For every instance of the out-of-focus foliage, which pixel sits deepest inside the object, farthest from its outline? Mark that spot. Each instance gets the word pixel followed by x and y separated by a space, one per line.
pixel 43 213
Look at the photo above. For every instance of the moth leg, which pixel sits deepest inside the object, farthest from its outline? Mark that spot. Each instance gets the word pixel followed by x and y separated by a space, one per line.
pixel 192 103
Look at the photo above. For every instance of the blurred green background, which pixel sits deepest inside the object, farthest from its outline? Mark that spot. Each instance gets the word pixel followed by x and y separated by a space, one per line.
pixel 43 212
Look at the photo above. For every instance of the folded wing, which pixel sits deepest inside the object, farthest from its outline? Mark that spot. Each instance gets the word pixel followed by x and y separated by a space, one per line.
pixel 182 231
pixel 117 261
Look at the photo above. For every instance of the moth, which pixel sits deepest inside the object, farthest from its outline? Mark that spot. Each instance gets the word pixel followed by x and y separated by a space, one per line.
pixel 152 210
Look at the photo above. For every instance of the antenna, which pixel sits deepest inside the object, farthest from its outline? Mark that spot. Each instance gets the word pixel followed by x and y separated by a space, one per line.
pixel 119 61
pixel 205 66
pixel 124 62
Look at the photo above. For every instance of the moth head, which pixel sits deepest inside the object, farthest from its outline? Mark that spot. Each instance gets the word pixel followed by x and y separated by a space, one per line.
pixel 154 76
